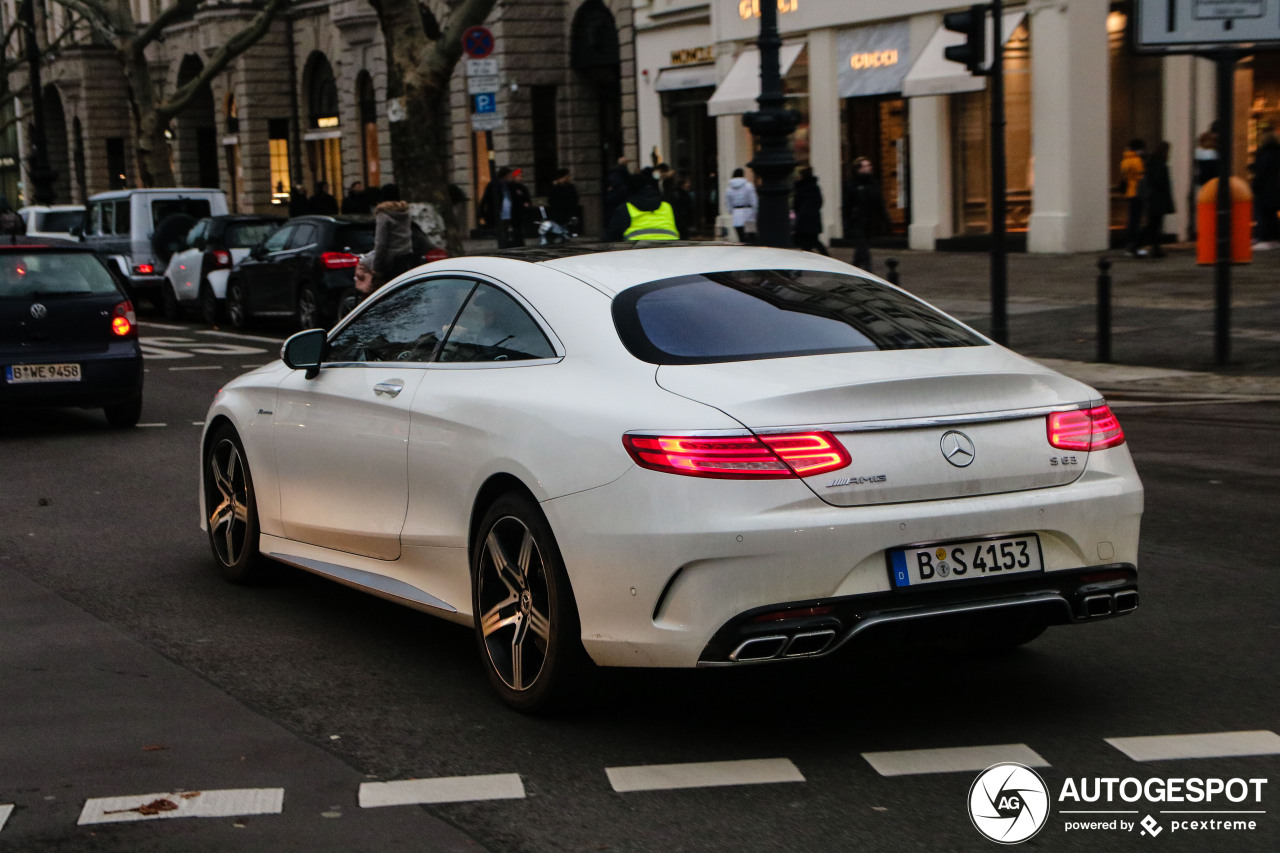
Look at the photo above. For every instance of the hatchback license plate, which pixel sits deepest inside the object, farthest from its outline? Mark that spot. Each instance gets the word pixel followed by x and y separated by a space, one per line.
pixel 957 561
pixel 18 373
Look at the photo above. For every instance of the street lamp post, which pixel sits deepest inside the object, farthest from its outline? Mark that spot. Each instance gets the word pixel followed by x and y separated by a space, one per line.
pixel 772 125
pixel 38 170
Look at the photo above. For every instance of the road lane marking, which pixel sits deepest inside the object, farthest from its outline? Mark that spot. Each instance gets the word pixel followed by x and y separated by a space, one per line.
pixel 707 774
pixel 1211 745
pixel 238 336
pixel 227 803
pixel 5 811
pixel 445 789
pixel 150 426
pixel 909 762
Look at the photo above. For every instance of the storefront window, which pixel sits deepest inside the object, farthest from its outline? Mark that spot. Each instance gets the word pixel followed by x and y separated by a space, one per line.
pixel 971 148
pixel 1136 105
pixel 692 149
pixel 875 127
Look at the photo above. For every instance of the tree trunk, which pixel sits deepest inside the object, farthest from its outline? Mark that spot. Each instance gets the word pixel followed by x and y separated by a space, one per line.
pixel 155 161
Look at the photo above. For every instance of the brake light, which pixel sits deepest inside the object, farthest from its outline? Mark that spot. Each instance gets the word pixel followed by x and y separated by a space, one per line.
pixel 1085 429
pixel 338 260
pixel 144 269
pixel 221 258
pixel 436 255
pixel 739 457
pixel 123 321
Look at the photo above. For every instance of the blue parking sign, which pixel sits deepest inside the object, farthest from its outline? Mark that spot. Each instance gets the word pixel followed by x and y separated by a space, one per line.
pixel 486 102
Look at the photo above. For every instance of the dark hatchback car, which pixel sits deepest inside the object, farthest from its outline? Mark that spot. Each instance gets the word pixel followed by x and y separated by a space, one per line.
pixel 68 333
pixel 301 271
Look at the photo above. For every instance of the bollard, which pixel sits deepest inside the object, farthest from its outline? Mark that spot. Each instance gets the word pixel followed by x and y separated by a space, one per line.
pixel 892 275
pixel 1104 310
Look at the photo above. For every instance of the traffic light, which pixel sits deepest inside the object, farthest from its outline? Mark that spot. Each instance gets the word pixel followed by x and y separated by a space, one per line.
pixel 973 24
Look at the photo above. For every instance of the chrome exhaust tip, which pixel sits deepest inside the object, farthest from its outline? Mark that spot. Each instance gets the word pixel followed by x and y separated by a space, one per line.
pixel 1098 605
pixel 1126 601
pixel 810 643
pixel 759 648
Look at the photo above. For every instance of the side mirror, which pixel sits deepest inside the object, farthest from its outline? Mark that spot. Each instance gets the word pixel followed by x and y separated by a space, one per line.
pixel 258 252
pixel 306 351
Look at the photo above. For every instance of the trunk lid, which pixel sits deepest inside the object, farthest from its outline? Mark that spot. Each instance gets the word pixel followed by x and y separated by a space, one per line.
pixel 908 418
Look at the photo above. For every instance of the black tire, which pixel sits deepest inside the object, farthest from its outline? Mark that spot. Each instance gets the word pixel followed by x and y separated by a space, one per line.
pixel 310 310
pixel 526 619
pixel 170 305
pixel 211 308
pixel 124 415
pixel 237 307
pixel 169 235
pixel 231 509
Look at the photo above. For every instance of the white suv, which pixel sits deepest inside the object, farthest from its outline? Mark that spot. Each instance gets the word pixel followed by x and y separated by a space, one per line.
pixel 137 230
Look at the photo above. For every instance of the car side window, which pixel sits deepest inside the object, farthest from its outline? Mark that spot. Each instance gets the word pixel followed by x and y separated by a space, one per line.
pixel 494 327
pixel 277 241
pixel 123 217
pixel 93 219
pixel 106 222
pixel 303 236
pixel 196 234
pixel 406 325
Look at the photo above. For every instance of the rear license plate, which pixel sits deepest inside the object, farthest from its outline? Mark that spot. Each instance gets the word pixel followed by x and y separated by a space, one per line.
pixel 17 373
pixel 958 561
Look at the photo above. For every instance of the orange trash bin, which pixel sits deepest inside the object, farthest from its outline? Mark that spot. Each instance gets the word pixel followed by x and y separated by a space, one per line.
pixel 1241 223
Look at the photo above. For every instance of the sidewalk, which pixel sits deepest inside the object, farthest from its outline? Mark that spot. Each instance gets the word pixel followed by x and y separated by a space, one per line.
pixel 1163 318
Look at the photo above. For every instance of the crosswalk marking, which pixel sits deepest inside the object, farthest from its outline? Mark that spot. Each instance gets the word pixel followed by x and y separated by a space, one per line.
pixel 5 811
pixel 447 789
pixel 228 803
pixel 908 762
pixel 661 777
pixel 1211 745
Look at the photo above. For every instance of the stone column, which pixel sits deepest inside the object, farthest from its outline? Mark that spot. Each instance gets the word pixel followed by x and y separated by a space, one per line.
pixel 824 126
pixel 1070 90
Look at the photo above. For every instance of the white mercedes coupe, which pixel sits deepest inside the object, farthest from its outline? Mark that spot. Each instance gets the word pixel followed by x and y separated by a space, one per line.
pixel 674 455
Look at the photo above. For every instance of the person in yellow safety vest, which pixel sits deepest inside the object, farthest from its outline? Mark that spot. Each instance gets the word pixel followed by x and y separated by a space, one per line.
pixel 645 216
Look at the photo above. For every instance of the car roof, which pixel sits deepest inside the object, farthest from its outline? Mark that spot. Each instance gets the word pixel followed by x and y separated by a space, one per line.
pixel 341 219
pixel 46 244
pixel 111 195
pixel 246 217
pixel 603 266
pixel 46 208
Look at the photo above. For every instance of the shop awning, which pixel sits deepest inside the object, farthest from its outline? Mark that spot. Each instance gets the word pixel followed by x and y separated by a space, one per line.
pixel 688 77
pixel 737 93
pixel 934 74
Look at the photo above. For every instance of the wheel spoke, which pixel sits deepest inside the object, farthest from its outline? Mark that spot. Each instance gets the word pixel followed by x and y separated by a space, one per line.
pixel 517 663
pixel 510 576
pixel 494 619
pixel 540 625
pixel 526 552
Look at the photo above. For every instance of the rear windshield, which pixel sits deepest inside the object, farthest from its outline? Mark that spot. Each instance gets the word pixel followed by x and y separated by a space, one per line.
pixel 162 209
pixel 356 239
pixel 61 221
pixel 23 275
pixel 755 314
pixel 246 235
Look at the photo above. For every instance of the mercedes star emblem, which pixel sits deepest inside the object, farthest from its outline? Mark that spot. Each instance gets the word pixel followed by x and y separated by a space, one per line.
pixel 957 448
pixel 39 311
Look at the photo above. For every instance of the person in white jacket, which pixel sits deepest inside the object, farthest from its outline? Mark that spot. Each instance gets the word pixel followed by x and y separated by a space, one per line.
pixel 743 204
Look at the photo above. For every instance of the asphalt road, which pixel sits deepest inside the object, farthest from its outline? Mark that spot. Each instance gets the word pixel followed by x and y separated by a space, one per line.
pixel 128 668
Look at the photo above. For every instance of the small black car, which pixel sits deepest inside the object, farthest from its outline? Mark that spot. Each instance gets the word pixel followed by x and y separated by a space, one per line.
pixel 301 271
pixel 68 333
pixel 198 270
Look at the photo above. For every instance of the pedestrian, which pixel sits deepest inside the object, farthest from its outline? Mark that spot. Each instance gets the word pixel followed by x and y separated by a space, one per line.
pixel 524 204
pixel 366 282
pixel 1266 191
pixel 1206 158
pixel 501 211
pixel 683 205
pixel 743 204
pixel 862 210
pixel 616 184
pixel 644 216
pixel 389 192
pixel 356 202
pixel 1156 191
pixel 1133 166
pixel 299 204
pixel 11 222
pixel 392 240
pixel 563 205
pixel 807 205
pixel 322 202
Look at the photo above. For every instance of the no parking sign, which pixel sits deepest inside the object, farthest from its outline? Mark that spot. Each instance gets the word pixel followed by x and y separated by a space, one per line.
pixel 477 42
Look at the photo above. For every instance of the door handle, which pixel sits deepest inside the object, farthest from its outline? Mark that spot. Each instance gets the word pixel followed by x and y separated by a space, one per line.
pixel 388 389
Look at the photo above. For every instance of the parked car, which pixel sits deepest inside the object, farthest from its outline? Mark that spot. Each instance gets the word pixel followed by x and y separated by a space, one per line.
pixel 68 333
pixel 300 271
pixel 674 456
pixel 196 276
pixel 60 221
pixel 138 230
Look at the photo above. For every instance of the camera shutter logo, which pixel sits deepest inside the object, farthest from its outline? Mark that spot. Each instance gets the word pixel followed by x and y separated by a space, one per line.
pixel 1008 803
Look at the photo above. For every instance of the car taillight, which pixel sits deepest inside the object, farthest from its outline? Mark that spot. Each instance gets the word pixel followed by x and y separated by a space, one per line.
pixel 123 321
pixel 144 269
pixel 745 457
pixel 338 260
pixel 221 258
pixel 1086 429
pixel 436 255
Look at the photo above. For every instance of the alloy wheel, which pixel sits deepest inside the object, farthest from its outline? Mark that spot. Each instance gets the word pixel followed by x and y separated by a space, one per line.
pixel 514 603
pixel 308 308
pixel 229 519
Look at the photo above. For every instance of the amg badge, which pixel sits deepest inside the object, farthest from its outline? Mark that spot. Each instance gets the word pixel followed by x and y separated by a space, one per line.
pixel 856 481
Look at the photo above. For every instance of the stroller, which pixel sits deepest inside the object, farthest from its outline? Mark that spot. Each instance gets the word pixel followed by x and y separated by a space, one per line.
pixel 551 232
